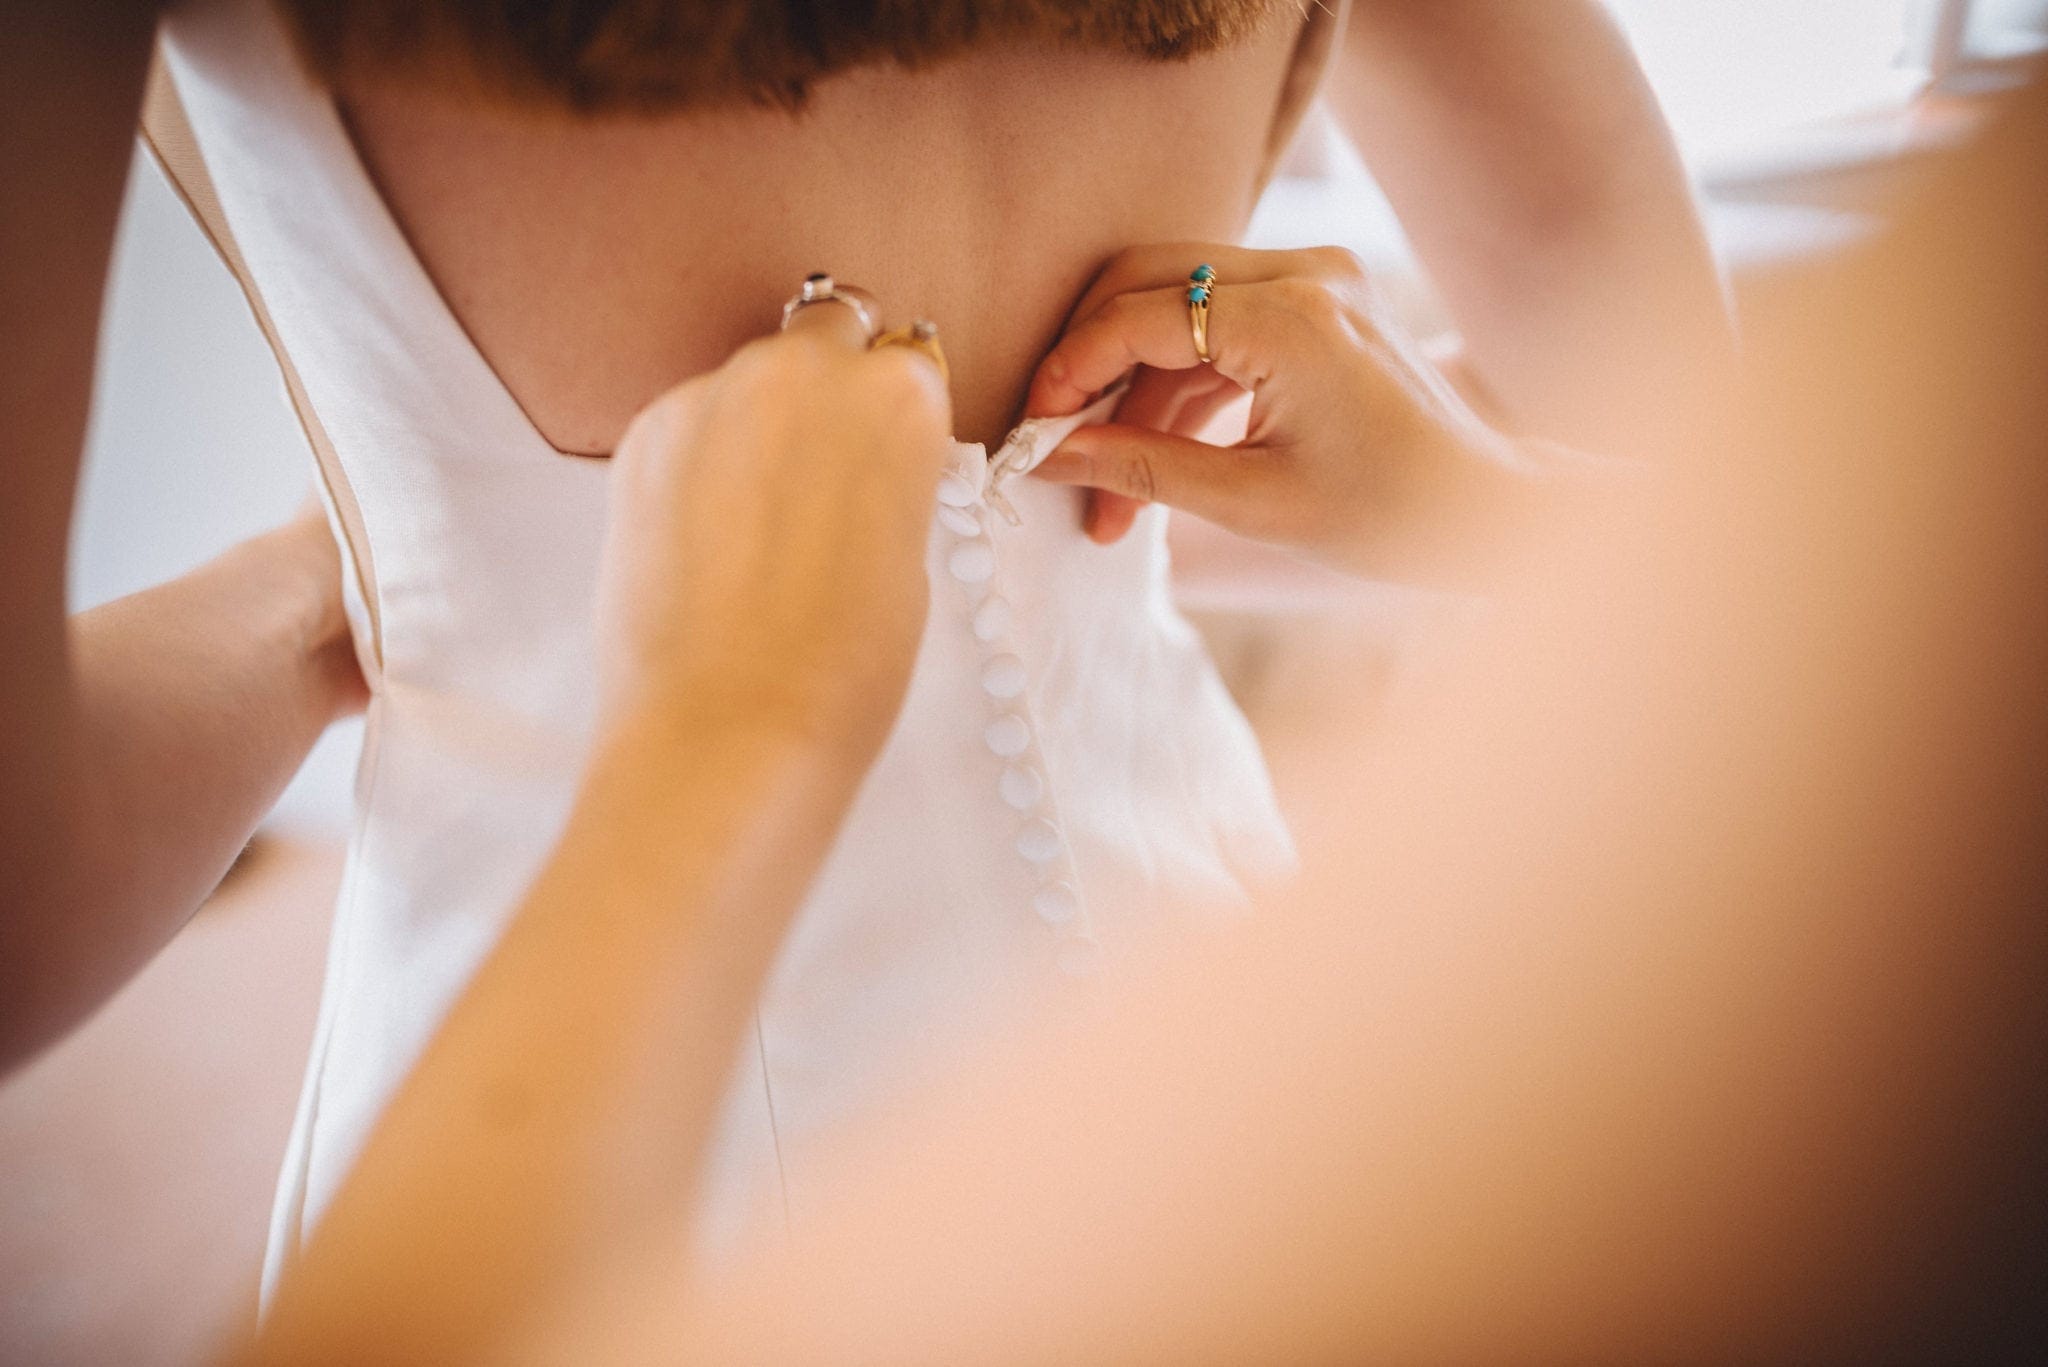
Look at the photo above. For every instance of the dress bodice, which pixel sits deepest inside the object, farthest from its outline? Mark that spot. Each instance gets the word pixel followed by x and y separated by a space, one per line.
pixel 1067 777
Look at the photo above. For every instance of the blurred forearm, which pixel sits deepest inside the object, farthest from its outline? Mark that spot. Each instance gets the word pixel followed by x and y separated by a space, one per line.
pixel 190 706
pixel 558 1118
pixel 89 882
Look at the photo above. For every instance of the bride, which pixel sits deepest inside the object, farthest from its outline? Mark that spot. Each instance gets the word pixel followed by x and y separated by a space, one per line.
pixel 481 237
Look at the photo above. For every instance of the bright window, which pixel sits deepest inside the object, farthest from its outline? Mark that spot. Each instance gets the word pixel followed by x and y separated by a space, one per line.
pixel 1734 73
pixel 2005 28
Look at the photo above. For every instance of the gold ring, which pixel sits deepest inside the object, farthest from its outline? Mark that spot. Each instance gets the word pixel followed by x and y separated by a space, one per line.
pixel 922 335
pixel 1201 285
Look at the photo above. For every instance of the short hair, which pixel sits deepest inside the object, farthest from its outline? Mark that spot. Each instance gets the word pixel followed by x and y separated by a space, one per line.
pixel 660 55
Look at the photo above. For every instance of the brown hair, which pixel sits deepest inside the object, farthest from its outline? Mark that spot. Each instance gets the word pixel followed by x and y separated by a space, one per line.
pixel 649 55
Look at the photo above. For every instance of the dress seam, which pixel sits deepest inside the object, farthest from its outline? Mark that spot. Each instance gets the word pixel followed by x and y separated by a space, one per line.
pixel 288 1245
pixel 774 1125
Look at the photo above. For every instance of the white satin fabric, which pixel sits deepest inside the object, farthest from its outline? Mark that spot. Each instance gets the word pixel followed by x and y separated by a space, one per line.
pixel 1068 774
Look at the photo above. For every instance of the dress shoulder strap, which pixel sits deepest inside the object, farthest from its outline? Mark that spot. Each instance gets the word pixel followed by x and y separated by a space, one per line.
pixel 167 133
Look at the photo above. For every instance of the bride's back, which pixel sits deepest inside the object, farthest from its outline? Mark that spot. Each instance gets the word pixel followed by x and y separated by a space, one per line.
pixel 1068 778
pixel 596 258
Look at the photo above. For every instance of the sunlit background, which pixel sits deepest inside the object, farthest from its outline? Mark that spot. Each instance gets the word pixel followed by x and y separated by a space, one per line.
pixel 136 1161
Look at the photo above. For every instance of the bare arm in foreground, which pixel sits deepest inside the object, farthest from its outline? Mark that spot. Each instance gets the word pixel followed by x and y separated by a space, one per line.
pixel 1666 990
pixel 1669 1008
pixel 762 599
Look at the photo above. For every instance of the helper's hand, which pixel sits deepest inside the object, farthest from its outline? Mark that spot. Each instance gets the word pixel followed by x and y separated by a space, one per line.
pixel 1359 453
pixel 765 563
pixel 761 599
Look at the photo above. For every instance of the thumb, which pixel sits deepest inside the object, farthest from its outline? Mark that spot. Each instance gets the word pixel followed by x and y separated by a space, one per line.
pixel 1224 484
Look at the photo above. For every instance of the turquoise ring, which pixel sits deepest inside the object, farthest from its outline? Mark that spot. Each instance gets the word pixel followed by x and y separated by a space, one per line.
pixel 1201 285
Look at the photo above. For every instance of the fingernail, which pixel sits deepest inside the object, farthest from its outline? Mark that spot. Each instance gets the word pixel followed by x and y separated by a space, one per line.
pixel 1089 517
pixel 1051 371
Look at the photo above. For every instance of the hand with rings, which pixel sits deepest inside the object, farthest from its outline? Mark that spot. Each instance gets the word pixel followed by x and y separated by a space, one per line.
pixel 766 551
pixel 1359 453
pixel 821 288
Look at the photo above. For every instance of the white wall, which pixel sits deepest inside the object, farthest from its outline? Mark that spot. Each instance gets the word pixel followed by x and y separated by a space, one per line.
pixel 193 443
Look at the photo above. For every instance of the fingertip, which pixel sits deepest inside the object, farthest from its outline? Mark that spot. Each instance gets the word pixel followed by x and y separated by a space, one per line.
pixel 1052 392
pixel 1114 516
pixel 907 380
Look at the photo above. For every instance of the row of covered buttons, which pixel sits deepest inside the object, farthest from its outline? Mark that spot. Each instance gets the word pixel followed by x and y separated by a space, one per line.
pixel 964 498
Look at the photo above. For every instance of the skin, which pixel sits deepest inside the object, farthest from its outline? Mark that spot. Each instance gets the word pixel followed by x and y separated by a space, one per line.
pixel 760 613
pixel 1357 452
pixel 575 253
pixel 1517 140
pixel 1681 1006
pixel 121 815
pixel 1847 1044
pixel 1540 188
pixel 144 740
pixel 1523 149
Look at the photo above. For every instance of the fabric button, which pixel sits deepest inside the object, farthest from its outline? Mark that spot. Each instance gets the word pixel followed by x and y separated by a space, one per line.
pixel 1079 957
pixel 1056 903
pixel 957 491
pixel 991 619
pixel 1008 736
pixel 1003 677
pixel 1021 787
pixel 1039 841
pixel 959 521
pixel 972 562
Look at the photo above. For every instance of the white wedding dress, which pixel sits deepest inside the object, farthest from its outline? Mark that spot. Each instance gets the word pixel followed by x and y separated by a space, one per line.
pixel 1068 774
